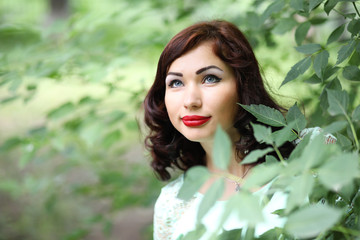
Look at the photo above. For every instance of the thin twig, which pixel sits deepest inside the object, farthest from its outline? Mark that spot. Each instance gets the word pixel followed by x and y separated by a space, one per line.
pixel 357 10
pixel 353 132
pixel 279 155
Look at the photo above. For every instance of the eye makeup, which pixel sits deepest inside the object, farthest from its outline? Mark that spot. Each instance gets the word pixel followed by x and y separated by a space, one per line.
pixel 210 73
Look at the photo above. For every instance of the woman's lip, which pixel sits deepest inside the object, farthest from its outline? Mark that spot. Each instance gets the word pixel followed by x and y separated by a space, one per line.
pixel 194 120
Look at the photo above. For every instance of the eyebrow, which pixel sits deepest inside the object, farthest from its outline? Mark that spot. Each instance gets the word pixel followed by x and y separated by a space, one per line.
pixel 207 68
pixel 175 73
pixel 197 72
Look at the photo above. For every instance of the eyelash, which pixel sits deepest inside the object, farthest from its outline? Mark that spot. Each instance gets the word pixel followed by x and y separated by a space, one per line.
pixel 171 84
pixel 216 80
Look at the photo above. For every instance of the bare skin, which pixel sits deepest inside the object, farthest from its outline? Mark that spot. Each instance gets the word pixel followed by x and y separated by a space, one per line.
pixel 200 94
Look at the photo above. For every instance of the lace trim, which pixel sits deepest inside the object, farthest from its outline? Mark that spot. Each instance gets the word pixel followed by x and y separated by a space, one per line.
pixel 169 209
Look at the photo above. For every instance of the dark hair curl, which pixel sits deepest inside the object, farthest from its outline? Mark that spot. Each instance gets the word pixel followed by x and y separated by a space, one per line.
pixel 168 147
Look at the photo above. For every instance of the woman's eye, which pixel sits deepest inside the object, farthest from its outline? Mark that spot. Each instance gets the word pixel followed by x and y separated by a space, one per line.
pixel 175 84
pixel 211 79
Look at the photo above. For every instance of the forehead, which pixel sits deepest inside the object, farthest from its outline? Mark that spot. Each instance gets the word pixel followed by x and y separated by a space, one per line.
pixel 199 57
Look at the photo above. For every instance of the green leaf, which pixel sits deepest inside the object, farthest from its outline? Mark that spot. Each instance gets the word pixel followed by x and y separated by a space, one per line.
pixel 31 87
pixel 301 32
pixel 299 149
pixel 350 15
pixel 329 5
pixel 15 83
pixel 111 138
pixel 262 133
pixel 313 79
pixel 249 211
pixel 131 125
pixel 355 58
pixel 261 175
pixel 199 231
pixel 114 117
pixel 334 36
pixel 9 99
pixel 356 114
pixel 347 192
pixel 87 100
pixel 266 114
pixel 329 71
pixel 270 159
pixel 344 142
pixel 312 220
pixel 28 154
pixel 351 73
pixel 62 111
pixel 332 178
pixel 211 196
pixel 356 203
pixel 314 3
pixel 230 235
pixel 300 189
pixel 10 144
pixel 309 48
pixel 89 131
pixel 8 77
pixel 354 27
pixel 317 20
pixel 298 69
pixel 195 177
pixel 315 153
pixel 283 135
pixel 272 8
pixel 320 62
pixel 298 5
pixel 253 20
pixel 250 233
pixel 338 102
pixel 284 25
pixel 333 84
pixel 273 233
pixel 335 127
pixel 222 149
pixel 254 155
pixel 295 115
pixel 346 51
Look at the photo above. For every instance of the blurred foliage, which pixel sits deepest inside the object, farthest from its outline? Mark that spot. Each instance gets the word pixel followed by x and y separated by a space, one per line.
pixel 321 181
pixel 71 92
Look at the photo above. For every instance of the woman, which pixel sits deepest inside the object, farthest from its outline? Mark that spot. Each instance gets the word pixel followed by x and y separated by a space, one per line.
pixel 203 72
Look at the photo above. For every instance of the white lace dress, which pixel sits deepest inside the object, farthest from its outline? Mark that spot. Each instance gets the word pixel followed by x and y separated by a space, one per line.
pixel 174 217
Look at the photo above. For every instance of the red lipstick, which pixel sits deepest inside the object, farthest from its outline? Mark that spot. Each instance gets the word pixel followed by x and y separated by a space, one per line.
pixel 194 120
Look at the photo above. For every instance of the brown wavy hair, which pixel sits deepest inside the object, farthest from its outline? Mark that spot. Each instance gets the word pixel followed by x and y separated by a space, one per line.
pixel 168 147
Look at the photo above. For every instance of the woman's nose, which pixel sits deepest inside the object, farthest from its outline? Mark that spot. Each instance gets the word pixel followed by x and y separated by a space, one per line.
pixel 192 99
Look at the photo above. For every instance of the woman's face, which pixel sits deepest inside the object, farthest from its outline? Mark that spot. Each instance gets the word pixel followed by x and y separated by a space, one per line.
pixel 200 94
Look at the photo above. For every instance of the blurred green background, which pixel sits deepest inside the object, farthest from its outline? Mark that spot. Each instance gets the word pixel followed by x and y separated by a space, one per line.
pixel 73 75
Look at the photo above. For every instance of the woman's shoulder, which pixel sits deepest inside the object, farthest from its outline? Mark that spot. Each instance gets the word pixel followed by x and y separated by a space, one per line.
pixel 174 185
pixel 171 189
pixel 169 192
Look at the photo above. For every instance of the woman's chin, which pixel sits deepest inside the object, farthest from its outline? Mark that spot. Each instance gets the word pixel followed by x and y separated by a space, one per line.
pixel 200 137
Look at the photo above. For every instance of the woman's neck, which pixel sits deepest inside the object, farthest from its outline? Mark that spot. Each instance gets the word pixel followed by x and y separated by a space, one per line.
pixel 234 167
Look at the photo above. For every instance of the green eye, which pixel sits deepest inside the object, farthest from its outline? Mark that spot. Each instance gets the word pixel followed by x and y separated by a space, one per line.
pixel 210 79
